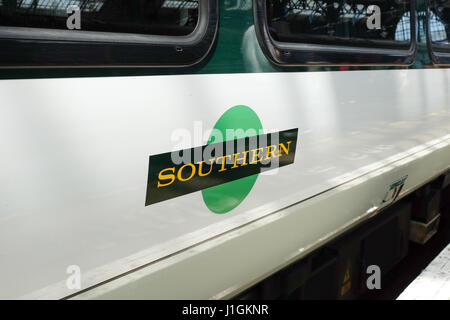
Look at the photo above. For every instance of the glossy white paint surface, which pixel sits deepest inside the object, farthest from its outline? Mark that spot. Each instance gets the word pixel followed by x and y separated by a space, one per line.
pixel 74 164
pixel 228 264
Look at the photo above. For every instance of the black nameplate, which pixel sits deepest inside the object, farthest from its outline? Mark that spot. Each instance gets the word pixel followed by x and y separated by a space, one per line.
pixel 173 174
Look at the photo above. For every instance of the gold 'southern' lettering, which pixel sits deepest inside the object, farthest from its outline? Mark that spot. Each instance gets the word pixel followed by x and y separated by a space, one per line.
pixel 256 154
pixel 271 153
pixel 200 165
pixel 168 176
pixel 283 148
pixel 236 159
pixel 193 170
pixel 222 168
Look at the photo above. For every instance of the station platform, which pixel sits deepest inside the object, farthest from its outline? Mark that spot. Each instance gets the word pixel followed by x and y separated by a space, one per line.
pixel 434 281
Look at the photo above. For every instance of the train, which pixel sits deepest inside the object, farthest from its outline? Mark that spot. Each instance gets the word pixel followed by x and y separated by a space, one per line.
pixel 206 149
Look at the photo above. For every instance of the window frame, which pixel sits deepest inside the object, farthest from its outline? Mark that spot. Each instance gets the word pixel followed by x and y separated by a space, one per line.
pixel 290 54
pixel 24 47
pixel 439 54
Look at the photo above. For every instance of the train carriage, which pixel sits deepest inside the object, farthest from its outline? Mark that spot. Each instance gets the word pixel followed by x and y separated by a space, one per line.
pixel 196 149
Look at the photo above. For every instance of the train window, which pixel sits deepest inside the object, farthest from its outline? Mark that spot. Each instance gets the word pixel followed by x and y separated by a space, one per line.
pixel 106 32
pixel 173 18
pixel 336 32
pixel 438 16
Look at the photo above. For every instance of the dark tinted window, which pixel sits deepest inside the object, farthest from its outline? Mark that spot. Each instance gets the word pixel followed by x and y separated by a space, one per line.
pixel 340 22
pixel 158 17
pixel 439 22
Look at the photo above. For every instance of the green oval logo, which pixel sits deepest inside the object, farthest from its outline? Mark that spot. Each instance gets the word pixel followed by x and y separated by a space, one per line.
pixel 225 197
